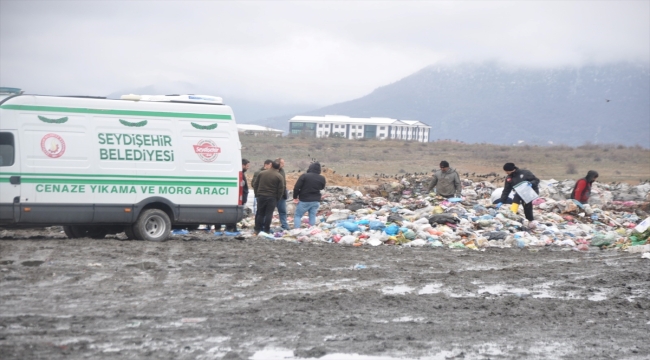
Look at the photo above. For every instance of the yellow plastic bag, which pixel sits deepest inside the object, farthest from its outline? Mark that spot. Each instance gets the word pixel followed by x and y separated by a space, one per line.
pixel 514 207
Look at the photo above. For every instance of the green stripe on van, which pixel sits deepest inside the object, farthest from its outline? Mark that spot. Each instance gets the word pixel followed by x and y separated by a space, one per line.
pixel 115 112
pixel 34 178
pixel 136 177
pixel 43 180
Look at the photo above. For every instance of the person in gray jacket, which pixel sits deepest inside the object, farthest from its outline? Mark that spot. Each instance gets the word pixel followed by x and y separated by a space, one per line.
pixel 446 181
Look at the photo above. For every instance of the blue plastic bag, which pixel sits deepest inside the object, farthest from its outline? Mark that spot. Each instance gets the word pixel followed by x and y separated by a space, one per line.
pixel 349 226
pixel 363 222
pixel 376 225
pixel 392 229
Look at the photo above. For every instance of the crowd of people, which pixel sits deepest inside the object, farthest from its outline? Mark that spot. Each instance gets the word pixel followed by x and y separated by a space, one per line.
pixel 270 188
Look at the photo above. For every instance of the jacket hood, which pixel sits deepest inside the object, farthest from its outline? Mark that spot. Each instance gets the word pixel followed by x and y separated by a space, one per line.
pixel 314 168
pixel 591 176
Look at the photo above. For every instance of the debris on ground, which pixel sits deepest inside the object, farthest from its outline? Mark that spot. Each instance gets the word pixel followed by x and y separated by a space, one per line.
pixel 402 213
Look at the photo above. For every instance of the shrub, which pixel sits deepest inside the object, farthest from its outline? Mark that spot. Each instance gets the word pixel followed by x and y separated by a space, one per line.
pixel 571 168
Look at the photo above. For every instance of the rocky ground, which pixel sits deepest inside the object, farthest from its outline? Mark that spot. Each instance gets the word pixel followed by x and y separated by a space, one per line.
pixel 200 296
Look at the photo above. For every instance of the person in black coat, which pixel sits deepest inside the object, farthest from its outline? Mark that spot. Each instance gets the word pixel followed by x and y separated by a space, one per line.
pixel 306 194
pixel 516 176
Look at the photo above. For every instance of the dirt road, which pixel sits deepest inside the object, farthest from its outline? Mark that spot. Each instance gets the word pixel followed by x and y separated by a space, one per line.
pixel 204 297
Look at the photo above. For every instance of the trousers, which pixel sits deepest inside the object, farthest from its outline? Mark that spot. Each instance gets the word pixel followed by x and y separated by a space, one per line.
pixel 264 215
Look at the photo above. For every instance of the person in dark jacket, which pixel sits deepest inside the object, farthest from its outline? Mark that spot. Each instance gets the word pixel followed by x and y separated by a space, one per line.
pixel 306 194
pixel 282 203
pixel 269 188
pixel 582 189
pixel 267 165
pixel 516 176
pixel 232 228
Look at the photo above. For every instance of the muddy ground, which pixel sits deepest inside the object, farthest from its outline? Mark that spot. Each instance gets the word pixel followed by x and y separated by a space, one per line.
pixel 205 297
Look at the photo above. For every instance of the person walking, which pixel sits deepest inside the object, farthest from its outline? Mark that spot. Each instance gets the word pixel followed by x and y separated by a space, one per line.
pixel 282 203
pixel 306 194
pixel 446 181
pixel 514 177
pixel 582 189
pixel 269 188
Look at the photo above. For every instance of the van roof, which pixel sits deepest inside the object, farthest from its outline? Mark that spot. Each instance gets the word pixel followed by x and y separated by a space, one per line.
pixel 189 98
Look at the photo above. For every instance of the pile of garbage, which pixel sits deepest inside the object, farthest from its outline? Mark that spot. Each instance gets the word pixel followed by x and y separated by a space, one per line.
pixel 402 213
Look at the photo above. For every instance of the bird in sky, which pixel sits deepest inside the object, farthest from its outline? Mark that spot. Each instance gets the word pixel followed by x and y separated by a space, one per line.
pixel 607 100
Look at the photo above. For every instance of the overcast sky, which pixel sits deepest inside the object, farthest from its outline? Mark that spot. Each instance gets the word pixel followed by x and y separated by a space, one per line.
pixel 298 52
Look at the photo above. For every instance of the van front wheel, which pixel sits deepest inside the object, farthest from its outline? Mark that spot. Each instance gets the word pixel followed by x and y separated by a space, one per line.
pixel 152 225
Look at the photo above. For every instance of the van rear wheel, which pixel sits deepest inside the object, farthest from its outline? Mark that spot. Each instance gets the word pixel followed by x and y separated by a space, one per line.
pixel 152 225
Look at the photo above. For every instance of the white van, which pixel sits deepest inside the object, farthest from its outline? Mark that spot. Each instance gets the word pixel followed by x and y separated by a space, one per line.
pixel 142 165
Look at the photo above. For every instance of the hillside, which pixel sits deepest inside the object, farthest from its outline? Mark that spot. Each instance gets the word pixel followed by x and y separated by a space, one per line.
pixel 344 159
pixel 492 104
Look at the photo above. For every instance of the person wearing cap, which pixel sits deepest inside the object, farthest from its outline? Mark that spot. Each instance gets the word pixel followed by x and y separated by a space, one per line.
pixel 446 181
pixel 582 189
pixel 516 176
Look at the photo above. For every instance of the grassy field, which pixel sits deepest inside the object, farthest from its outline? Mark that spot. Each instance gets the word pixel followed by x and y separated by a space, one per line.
pixel 390 157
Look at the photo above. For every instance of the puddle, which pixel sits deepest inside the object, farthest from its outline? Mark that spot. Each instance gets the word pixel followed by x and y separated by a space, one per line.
pixel 408 319
pixel 288 354
pixel 477 351
pixel 598 296
pixel 431 289
pixel 398 289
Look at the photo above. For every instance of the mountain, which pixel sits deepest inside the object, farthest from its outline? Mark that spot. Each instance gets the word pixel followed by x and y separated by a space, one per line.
pixel 495 104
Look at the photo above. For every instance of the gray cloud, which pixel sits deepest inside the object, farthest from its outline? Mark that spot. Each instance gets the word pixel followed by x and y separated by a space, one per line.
pixel 309 52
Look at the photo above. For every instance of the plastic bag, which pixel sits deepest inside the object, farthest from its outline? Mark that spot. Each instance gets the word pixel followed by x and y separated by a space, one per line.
pixel 601 239
pixel 392 229
pixel 349 226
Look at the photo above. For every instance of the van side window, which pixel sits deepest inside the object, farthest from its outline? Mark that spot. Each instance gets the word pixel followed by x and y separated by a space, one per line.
pixel 6 149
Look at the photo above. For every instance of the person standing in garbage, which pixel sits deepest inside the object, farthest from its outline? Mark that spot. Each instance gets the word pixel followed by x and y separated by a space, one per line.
pixel 582 189
pixel 269 188
pixel 306 194
pixel 282 203
pixel 446 181
pixel 245 164
pixel 516 176
pixel 267 165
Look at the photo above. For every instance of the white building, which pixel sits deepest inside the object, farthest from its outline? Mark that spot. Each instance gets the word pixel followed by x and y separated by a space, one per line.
pixel 251 129
pixel 359 128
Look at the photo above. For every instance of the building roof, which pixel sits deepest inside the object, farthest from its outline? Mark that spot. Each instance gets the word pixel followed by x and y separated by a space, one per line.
pixel 342 119
pixel 251 127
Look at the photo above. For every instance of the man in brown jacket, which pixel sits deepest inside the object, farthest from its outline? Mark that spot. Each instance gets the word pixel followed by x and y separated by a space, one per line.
pixel 269 188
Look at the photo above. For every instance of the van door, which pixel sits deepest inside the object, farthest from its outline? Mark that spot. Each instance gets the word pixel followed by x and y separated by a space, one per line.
pixel 9 178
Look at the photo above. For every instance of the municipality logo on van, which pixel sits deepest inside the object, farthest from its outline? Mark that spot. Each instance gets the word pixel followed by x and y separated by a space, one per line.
pixel 53 145
pixel 207 150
